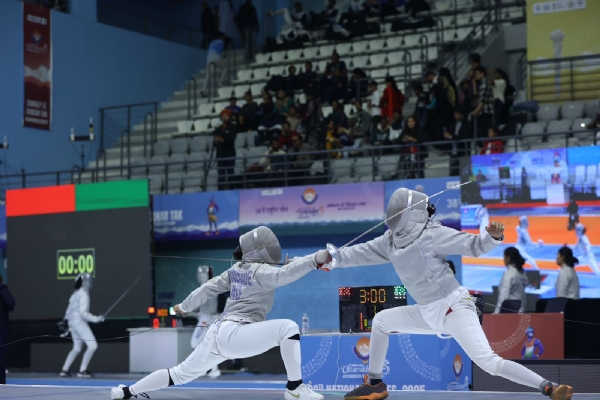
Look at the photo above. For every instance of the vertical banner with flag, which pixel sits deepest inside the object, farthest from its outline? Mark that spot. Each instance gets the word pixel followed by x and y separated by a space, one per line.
pixel 37 61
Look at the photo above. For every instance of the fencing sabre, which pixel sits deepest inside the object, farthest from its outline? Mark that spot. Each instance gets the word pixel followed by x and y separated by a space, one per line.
pixel 121 297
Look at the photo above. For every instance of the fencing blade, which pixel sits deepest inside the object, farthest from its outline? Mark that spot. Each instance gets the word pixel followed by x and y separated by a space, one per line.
pixel 121 297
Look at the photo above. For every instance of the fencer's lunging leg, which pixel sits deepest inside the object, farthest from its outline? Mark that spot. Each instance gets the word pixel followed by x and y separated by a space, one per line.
pixel 77 345
pixel 464 326
pixel 90 343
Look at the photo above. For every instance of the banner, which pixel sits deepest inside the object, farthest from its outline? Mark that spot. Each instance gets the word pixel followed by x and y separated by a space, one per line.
pixel 328 206
pixel 37 74
pixel 413 362
pixel 196 216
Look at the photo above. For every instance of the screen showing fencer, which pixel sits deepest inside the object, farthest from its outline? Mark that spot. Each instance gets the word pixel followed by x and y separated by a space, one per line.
pixel 546 199
pixel 49 250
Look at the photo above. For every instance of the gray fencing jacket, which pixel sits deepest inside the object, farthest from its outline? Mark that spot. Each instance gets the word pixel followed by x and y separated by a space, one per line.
pixel 512 287
pixel 421 265
pixel 567 283
pixel 252 287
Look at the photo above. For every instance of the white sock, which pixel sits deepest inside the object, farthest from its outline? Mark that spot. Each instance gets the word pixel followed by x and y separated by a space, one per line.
pixel 155 381
pixel 519 374
pixel 290 352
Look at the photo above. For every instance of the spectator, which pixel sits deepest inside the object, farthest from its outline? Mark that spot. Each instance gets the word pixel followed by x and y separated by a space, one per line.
pixel 215 52
pixel 392 99
pixel 381 133
pixel 292 81
pixel 499 83
pixel 307 76
pixel 247 20
pixel 332 139
pixel 362 124
pixel 295 24
pixel 313 116
pixel 283 103
pixel 299 162
pixel 249 111
pixel 285 139
pixel 267 105
pixel 415 6
pixel 431 77
pixel 413 154
pixel 7 304
pixel 493 145
pixel 458 130
pixel 244 125
pixel 357 12
pixel 207 25
pixel 474 61
pixel 422 100
pixel 269 127
pixel 293 118
pixel 233 107
pixel 445 72
pixel 270 162
pixel 226 18
pixel 465 97
pixel 358 85
pixel 336 63
pixel 397 121
pixel 224 143
pixel 484 111
pixel 338 115
pixel 374 101
pixel 336 87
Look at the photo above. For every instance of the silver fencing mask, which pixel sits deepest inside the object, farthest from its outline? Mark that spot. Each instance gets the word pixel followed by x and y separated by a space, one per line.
pixel 204 274
pixel 406 227
pixel 86 280
pixel 260 245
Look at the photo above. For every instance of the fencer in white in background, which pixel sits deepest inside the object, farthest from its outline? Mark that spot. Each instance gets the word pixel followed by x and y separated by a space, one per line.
pixel 584 250
pixel 483 216
pixel 242 331
pixel 524 241
pixel 207 314
pixel 78 315
pixel 417 248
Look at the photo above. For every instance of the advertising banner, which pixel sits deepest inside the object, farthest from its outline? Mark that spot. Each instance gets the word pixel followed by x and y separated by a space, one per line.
pixel 196 216
pixel 37 63
pixel 413 362
pixel 326 206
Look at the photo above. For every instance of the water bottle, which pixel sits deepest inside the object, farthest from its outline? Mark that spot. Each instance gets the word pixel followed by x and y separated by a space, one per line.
pixel 305 326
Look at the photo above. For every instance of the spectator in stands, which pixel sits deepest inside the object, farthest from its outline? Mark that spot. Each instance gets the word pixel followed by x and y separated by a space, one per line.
pixel 336 87
pixel 374 102
pixel 247 20
pixel 389 7
pixel 484 110
pixel 499 82
pixel 287 134
pixel 412 153
pixel 283 102
pixel 493 145
pixel 295 23
pixel 361 123
pixel 358 87
pixel 313 115
pixel 381 132
pixel 269 127
pixel 338 115
pixel 292 81
pixel 215 52
pixel 270 161
pixel 336 63
pixel 293 118
pixel 465 97
pixel 226 18
pixel 412 7
pixel 233 107
pixel 441 109
pixel 357 12
pixel 332 139
pixel 392 98
pixel 445 72
pixel 474 61
pixel 249 111
pixel 458 130
pixel 307 76
pixel 207 25
pixel 431 77
pixel 397 122
pixel 267 103
pixel 299 162
pixel 224 144
pixel 422 101
pixel 243 124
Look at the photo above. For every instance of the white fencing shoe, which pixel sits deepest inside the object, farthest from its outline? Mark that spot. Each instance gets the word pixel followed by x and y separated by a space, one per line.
pixel 302 392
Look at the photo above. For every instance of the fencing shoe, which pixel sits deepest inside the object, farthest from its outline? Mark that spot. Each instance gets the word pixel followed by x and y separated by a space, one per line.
pixel 556 391
pixel 214 373
pixel 65 374
pixel 123 392
pixel 368 391
pixel 302 392
pixel 85 374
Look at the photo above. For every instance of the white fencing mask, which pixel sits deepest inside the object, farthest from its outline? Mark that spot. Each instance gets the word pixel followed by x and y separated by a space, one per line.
pixel 406 227
pixel 260 245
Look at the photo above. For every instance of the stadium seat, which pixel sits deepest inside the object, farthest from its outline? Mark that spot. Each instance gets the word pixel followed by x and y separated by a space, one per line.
pixel 262 58
pixel 198 144
pixel 343 48
pixel 379 74
pixel 201 125
pixel 294 55
pixel 156 184
pixel 225 92
pixel 138 166
pixel 548 112
pixel 278 56
pixel 360 47
pixel 310 53
pixel 377 60
pixel 561 126
pixel 363 167
pixel 261 73
pixel 580 124
pixel 343 179
pixel 206 109
pixel 327 50
pixel 341 167
pixel 256 89
pixel 184 127
pixel 176 163
pixel 180 146
pixel 360 61
pixel 240 91
pixel 377 45
pixel 532 128
pixel 192 189
pixel 160 161
pixel 244 75
pixel 278 70
pixel 161 148
pixel 240 141
pixel 592 109
pixel 174 183
pixel 395 58
pixel 572 109
pixel 387 166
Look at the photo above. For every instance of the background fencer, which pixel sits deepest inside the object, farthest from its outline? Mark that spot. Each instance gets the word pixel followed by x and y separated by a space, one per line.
pixel 207 314
pixel 417 247
pixel 78 316
pixel 524 241
pixel 242 331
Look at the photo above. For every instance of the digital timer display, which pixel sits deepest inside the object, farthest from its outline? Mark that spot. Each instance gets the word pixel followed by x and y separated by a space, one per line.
pixel 72 262
pixel 359 305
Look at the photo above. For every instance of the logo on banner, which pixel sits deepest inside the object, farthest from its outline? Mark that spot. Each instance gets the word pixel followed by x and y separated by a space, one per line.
pixel 309 196
pixel 457 366
pixel 362 349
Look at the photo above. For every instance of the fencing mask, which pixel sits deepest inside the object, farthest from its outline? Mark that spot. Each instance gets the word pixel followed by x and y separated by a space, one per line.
pixel 204 274
pixel 260 245
pixel 86 280
pixel 406 227
pixel 524 222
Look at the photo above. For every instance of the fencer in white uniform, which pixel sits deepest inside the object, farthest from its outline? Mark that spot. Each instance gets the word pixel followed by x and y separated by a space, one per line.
pixel 584 249
pixel 514 281
pixel 242 331
pixel 524 241
pixel 417 248
pixel 78 315
pixel 207 314
pixel 483 216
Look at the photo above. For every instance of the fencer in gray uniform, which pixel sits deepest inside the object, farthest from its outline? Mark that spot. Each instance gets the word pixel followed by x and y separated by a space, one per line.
pixel 417 247
pixel 242 330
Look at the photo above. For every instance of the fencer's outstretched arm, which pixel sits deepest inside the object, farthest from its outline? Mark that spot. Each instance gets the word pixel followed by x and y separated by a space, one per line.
pixel 84 308
pixel 271 278
pixel 373 252
pixel 448 241
pixel 214 287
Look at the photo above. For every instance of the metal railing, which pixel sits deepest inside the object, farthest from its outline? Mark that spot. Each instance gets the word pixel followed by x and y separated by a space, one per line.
pixel 341 165
pixel 130 20
pixel 564 79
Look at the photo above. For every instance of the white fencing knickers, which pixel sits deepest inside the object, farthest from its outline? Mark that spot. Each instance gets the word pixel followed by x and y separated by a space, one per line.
pixel 231 340
pixel 461 323
pixel 81 333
